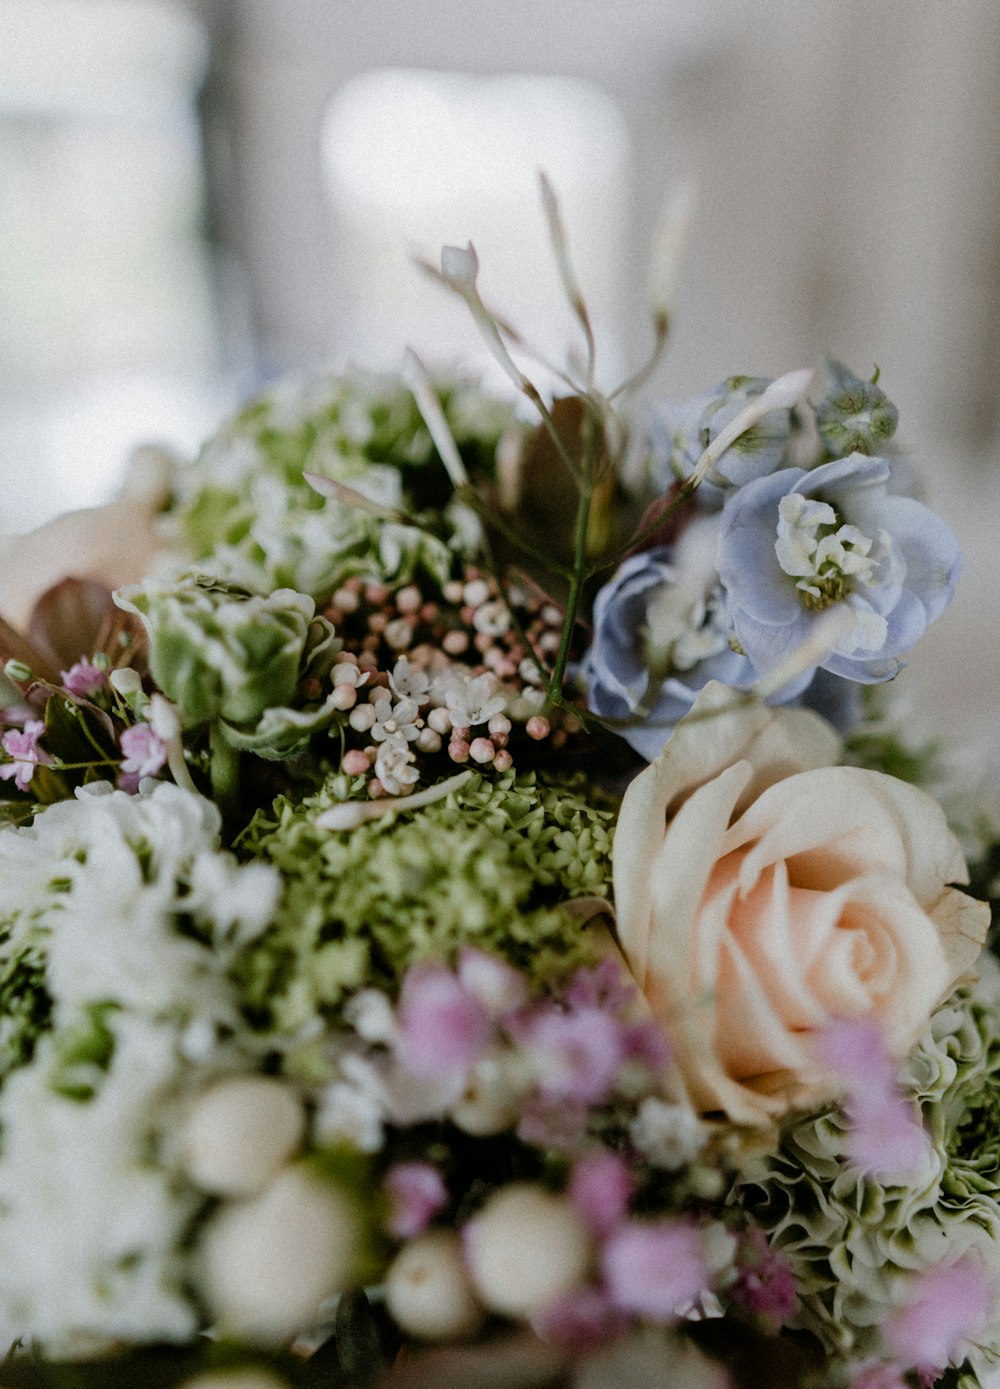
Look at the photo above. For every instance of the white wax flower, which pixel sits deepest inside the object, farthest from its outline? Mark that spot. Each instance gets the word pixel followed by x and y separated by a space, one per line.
pixel 239 1133
pixel 526 1248
pixel 428 1290
pixel 267 1264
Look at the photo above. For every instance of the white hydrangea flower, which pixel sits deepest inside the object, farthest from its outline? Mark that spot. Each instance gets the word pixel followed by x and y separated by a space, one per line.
pixel 469 699
pixel 395 769
pixel 409 682
pixel 395 722
pixel 668 1135
pixel 90 1225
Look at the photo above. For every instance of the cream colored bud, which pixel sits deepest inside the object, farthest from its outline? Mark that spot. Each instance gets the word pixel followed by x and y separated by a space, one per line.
pixel 427 1289
pixel 125 680
pixel 526 1248
pixel 237 1379
pixel 266 1264
pixel 492 1097
pixel 239 1133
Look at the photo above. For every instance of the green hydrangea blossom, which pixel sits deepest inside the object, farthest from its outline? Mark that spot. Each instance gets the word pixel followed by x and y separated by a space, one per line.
pixel 852 1238
pixel 487 866
pixel 246 512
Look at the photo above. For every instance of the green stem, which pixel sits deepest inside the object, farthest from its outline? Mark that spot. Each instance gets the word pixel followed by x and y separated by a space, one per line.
pixel 225 773
pixel 579 575
pixel 495 518
pixel 683 494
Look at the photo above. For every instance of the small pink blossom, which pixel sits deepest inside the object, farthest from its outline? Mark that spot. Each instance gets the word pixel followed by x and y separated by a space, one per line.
pixel 579 1054
pixel 557 1124
pixel 876 1375
pixel 885 1136
pixel 498 986
pixel 603 986
pixel 144 749
pixel 600 1188
pixel 765 1284
pixel 443 1031
pixel 416 1194
pixel 655 1270
pixel 84 678
pixel 21 745
pixel 581 1321
pixel 947 1307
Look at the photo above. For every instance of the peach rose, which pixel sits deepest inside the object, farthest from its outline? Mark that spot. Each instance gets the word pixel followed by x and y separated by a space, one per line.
pixel 762 892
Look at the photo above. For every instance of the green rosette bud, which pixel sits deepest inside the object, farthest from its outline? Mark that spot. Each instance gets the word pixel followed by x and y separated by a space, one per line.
pixel 220 653
pixel 854 416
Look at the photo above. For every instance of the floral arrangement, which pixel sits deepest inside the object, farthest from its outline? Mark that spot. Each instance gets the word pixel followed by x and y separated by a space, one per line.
pixel 469 916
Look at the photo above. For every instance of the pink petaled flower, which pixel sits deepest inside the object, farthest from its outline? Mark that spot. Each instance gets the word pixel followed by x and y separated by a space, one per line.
pixel 83 678
pixel 885 1136
pixel 416 1194
pixel 603 986
pixel 765 1284
pixel 948 1307
pixel 442 1031
pixel 557 1124
pixel 144 749
pixel 579 1053
pixel 876 1375
pixel 600 1188
pixel 21 745
pixel 655 1270
pixel 498 986
pixel 581 1321
pixel 647 1042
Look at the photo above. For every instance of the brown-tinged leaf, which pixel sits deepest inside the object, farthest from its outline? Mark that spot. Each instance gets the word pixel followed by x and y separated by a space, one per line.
pixel 78 617
pixel 648 534
pixel 15 647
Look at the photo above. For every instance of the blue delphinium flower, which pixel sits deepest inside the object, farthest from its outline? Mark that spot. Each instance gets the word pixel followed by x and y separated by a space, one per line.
pixel 659 635
pixel 796 543
pixel 679 431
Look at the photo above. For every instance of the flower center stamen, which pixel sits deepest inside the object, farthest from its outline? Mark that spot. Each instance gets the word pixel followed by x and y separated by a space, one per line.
pixel 828 559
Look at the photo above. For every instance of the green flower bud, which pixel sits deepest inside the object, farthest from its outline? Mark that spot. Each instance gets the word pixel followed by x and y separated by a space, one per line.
pixel 854 416
pixel 220 652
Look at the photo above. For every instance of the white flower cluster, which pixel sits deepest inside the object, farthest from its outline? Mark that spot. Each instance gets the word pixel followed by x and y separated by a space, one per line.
pixel 135 914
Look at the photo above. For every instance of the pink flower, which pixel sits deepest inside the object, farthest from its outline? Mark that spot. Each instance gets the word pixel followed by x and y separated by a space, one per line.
pixel 416 1194
pixel 84 678
pixel 145 751
pixel 885 1136
pixel 558 1124
pixel 499 987
pixel 600 1188
pixel 21 745
pixel 579 1053
pixel 765 1284
pixel 581 1321
pixel 442 1029
pixel 947 1307
pixel 875 1375
pixel 655 1270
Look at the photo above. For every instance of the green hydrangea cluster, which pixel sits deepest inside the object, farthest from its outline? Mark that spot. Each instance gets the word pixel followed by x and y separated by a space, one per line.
pixel 487 866
pixel 244 509
pixel 854 1238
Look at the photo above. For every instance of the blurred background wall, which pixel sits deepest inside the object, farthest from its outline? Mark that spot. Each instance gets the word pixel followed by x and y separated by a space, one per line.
pixel 196 194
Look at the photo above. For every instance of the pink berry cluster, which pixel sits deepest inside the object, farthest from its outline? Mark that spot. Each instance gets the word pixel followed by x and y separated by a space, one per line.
pixel 448 675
